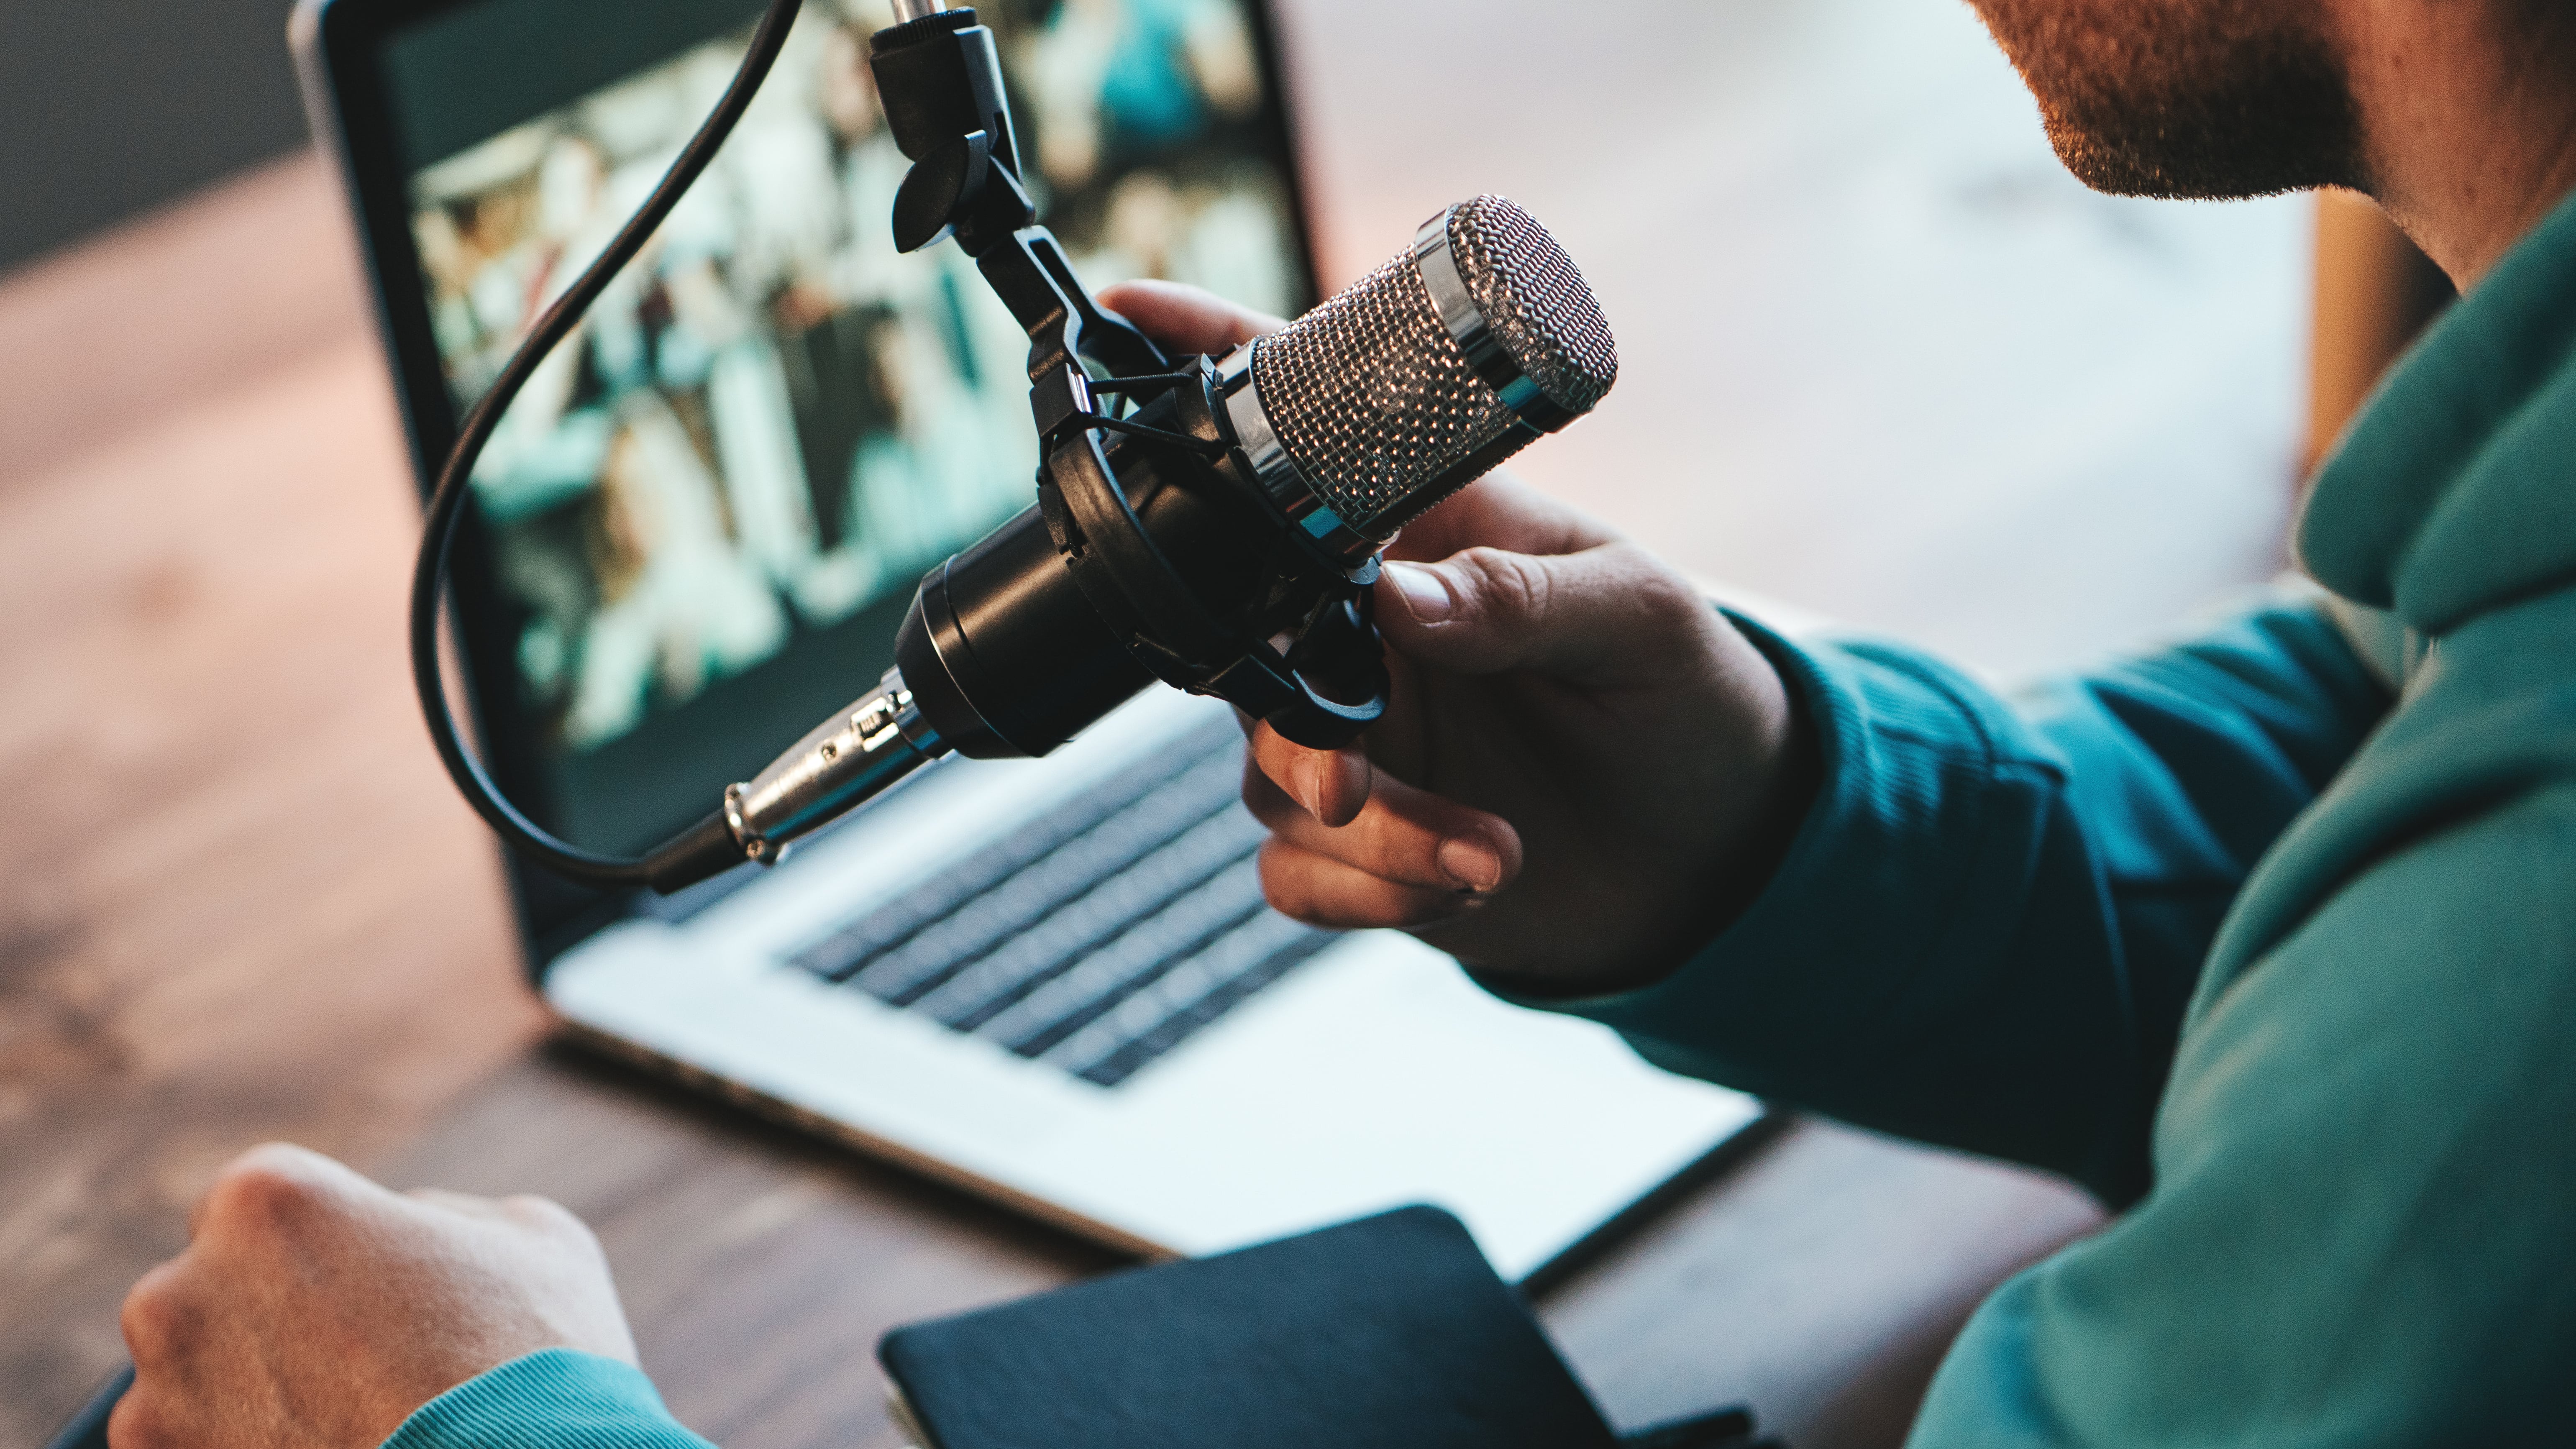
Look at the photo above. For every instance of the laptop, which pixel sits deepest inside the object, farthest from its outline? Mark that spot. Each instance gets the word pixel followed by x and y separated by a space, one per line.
pixel 1054 982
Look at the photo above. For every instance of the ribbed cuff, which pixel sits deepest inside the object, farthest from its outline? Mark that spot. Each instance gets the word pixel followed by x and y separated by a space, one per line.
pixel 556 1398
pixel 1823 706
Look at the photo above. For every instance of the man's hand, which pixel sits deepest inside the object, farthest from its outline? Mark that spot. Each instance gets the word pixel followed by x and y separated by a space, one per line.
pixel 1584 769
pixel 316 1310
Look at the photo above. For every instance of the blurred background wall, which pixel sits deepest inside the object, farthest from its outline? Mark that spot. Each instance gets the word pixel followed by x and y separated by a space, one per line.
pixel 111 107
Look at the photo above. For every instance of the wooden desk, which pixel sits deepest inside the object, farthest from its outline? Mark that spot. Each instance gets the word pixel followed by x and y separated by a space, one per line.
pixel 237 901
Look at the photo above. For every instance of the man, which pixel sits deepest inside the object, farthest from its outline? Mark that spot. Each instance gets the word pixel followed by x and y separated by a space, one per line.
pixel 2269 939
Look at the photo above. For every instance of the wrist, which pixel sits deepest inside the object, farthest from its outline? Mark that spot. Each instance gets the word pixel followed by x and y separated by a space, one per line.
pixel 1787 796
pixel 1763 799
pixel 1759 784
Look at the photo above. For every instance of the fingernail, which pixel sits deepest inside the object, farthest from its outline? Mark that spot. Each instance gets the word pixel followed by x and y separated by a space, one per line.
pixel 1471 864
pixel 1425 597
pixel 1310 784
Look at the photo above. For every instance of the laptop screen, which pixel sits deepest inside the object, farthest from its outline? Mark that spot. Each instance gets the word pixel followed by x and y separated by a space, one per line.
pixel 703 521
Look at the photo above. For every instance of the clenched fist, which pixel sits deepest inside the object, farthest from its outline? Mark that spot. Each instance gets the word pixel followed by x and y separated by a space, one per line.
pixel 316 1310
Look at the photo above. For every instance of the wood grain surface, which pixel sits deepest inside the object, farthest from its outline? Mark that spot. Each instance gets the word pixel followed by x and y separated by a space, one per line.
pixel 237 901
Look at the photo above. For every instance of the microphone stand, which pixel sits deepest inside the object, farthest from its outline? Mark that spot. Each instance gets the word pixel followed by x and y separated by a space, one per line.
pixel 939 79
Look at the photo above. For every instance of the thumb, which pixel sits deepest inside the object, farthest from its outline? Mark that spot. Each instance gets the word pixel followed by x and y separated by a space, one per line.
pixel 1186 319
pixel 1597 616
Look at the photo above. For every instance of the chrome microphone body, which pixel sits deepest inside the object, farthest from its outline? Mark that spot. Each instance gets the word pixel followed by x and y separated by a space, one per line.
pixel 1242 506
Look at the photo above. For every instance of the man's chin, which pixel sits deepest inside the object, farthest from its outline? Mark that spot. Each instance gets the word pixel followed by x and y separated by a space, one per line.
pixel 2188 99
pixel 2165 174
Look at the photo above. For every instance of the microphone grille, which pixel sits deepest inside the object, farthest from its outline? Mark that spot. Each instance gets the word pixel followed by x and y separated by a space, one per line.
pixel 1380 407
pixel 1536 300
pixel 1371 398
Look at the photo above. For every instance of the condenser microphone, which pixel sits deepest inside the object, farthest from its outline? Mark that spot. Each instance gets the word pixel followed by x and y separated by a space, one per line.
pixel 1243 503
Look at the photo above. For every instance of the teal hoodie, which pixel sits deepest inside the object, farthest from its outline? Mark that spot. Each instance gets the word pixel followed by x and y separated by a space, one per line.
pixel 2268 938
pixel 2363 1201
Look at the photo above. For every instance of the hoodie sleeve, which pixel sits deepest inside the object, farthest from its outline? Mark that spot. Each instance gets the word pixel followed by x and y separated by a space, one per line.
pixel 2358 1234
pixel 1988 926
pixel 555 1399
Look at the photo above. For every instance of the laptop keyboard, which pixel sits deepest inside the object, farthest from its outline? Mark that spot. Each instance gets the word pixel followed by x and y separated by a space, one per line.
pixel 1098 937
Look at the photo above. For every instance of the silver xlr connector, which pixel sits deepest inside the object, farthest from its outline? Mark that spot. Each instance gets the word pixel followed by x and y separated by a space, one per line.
pixel 848 760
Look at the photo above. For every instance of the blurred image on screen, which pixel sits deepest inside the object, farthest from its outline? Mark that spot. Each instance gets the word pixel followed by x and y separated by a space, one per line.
pixel 772 423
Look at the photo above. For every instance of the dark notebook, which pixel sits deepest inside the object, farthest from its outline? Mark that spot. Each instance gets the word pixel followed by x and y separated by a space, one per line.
pixel 1392 1331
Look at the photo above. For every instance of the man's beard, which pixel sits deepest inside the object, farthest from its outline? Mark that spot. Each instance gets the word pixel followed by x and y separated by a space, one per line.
pixel 2204 99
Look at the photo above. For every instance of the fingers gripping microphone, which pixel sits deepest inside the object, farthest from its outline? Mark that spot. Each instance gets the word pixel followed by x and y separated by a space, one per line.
pixel 1245 501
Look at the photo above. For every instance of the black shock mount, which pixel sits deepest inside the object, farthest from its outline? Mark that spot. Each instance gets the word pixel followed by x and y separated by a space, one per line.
pixel 1284 631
